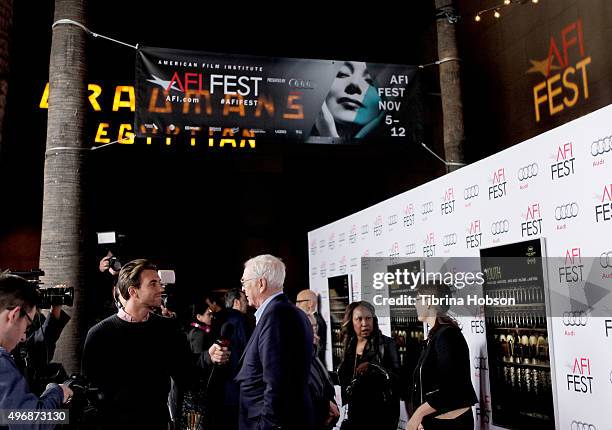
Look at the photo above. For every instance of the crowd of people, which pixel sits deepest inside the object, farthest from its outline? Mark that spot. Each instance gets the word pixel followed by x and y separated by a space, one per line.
pixel 228 369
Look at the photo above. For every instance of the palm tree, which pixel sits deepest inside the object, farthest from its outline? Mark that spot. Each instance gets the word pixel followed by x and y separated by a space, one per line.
pixel 61 250
pixel 450 84
pixel 6 23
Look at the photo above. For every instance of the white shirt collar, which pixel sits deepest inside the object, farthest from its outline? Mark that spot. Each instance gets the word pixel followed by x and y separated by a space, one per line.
pixel 259 312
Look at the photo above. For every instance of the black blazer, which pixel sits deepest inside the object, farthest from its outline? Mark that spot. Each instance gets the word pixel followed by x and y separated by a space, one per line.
pixel 442 376
pixel 275 369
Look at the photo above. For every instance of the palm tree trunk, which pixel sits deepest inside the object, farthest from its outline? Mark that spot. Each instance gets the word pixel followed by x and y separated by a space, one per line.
pixel 450 88
pixel 61 250
pixel 6 24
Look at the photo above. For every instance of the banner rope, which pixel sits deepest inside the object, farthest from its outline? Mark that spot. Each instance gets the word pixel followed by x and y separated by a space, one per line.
pixel 89 32
pixel 93 148
pixel 437 63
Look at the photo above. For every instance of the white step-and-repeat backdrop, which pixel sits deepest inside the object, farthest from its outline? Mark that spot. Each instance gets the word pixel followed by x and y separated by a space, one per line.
pixel 556 186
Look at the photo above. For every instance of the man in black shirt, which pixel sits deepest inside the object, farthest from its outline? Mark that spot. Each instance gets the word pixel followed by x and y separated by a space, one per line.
pixel 132 355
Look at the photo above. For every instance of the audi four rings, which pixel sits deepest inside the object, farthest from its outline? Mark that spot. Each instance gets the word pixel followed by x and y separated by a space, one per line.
pixel 601 146
pixel 527 172
pixel 427 208
pixel 471 192
pixel 499 227
pixel 569 210
pixel 450 239
pixel 578 425
pixel 605 260
pixel 575 319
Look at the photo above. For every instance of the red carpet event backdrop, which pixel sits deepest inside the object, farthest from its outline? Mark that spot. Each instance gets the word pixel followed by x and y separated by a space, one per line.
pixel 550 195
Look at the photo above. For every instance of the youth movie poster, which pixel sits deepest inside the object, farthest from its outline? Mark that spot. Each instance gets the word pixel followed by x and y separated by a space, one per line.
pixel 314 101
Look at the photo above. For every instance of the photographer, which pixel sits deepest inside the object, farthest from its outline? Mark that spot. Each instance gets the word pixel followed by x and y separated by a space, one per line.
pixel 18 301
pixel 33 356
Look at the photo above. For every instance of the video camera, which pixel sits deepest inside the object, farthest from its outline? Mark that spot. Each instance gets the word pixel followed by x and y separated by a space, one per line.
pixel 58 296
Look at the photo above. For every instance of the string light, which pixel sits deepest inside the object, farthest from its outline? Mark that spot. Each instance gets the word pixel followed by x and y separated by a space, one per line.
pixel 497 9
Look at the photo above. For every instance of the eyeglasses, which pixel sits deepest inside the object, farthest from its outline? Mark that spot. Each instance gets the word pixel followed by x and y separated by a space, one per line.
pixel 243 281
pixel 303 300
pixel 22 312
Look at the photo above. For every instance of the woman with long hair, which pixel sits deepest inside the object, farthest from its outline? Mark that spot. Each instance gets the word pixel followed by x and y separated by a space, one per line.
pixel 368 371
pixel 442 395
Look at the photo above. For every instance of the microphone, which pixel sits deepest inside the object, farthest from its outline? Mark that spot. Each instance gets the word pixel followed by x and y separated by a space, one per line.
pixel 225 337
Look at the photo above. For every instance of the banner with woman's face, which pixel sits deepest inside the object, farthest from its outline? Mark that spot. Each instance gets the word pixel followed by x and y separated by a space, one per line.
pixel 315 101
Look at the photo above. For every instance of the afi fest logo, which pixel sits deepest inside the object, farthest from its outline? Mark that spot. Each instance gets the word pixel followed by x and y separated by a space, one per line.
pixel 498 189
pixel 474 236
pixel 533 221
pixel 409 215
pixel 565 73
pixel 603 211
pixel 571 271
pixel 394 251
pixel 429 249
pixel 564 165
pixel 448 202
pixel 313 247
pixel 580 380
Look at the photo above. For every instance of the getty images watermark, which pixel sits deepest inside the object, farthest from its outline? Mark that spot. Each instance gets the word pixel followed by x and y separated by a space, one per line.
pixel 405 280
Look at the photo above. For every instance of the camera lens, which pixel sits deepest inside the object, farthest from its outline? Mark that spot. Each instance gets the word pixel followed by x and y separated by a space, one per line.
pixel 56 297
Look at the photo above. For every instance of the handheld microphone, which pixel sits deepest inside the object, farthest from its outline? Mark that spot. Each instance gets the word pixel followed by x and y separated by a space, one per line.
pixel 224 340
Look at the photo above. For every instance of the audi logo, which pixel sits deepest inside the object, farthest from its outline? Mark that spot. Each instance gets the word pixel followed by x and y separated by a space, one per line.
pixel 575 319
pixel 427 208
pixel 605 260
pixel 527 172
pixel 569 210
pixel 410 248
pixel 450 239
pixel 500 227
pixel 579 425
pixel 365 229
pixel 601 146
pixel 470 192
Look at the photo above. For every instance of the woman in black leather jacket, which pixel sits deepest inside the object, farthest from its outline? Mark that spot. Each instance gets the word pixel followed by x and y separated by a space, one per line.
pixel 368 371
pixel 442 392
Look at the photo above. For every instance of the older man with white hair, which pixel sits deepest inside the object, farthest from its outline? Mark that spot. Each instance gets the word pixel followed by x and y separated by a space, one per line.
pixel 276 362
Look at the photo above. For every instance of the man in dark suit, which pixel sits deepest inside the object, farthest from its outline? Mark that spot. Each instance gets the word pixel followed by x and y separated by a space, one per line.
pixel 276 362
pixel 308 301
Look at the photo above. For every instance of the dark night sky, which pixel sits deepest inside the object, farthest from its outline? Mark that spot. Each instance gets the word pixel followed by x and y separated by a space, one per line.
pixel 204 212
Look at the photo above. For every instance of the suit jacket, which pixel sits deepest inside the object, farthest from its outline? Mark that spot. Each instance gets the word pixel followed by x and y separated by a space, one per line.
pixel 275 370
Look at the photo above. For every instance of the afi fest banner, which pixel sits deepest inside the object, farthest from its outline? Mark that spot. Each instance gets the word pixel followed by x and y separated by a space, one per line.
pixel 209 95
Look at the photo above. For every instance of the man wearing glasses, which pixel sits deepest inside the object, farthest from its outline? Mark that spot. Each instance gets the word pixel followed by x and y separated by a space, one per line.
pixel 276 362
pixel 307 300
pixel 18 300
